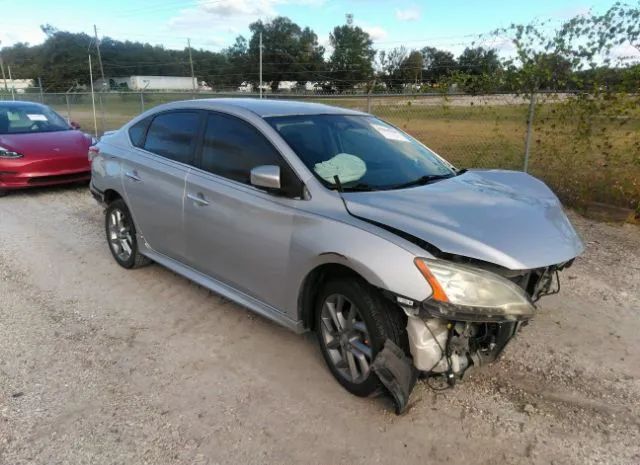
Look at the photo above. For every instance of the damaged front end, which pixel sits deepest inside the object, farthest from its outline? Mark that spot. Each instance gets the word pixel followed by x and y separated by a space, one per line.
pixel 474 311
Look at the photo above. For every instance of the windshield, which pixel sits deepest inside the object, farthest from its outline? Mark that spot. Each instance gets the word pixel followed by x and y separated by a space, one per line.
pixel 364 152
pixel 29 118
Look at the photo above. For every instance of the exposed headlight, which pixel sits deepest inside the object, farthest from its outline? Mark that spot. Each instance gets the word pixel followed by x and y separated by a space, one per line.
pixel 6 153
pixel 468 293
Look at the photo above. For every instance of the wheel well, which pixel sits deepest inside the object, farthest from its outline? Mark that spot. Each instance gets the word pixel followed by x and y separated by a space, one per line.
pixel 313 284
pixel 110 196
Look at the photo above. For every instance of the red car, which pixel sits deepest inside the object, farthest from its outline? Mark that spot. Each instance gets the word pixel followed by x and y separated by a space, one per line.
pixel 39 148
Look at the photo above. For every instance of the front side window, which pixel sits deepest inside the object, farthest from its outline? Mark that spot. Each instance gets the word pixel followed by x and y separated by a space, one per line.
pixel 232 148
pixel 173 135
pixel 28 118
pixel 363 152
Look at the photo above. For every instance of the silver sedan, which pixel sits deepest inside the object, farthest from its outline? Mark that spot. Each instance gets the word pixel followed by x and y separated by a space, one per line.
pixel 332 220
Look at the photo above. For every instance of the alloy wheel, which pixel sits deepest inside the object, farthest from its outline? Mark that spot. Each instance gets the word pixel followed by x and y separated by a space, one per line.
pixel 120 239
pixel 346 338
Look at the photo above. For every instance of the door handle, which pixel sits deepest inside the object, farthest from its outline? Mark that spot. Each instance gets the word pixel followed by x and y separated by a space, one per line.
pixel 198 198
pixel 133 175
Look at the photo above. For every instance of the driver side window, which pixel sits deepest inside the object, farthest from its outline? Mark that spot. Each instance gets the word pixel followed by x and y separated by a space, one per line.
pixel 232 148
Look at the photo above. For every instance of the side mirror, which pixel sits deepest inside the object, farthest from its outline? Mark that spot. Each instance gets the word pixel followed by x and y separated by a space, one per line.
pixel 74 125
pixel 266 176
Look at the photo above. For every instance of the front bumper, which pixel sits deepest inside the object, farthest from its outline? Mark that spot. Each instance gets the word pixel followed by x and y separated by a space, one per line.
pixel 441 346
pixel 10 180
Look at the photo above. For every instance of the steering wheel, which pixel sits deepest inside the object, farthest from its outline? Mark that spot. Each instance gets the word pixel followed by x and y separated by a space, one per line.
pixel 35 125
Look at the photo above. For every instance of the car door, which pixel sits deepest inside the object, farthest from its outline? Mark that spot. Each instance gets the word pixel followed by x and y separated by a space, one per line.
pixel 154 177
pixel 237 233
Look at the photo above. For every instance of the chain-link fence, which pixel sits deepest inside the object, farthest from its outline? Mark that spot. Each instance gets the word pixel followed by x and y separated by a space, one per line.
pixel 586 147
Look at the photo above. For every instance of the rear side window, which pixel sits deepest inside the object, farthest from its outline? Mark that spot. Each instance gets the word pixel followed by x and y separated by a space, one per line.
pixel 232 147
pixel 138 131
pixel 174 135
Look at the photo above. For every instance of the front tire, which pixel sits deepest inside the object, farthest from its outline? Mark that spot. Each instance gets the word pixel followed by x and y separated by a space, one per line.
pixel 121 236
pixel 3 192
pixel 353 321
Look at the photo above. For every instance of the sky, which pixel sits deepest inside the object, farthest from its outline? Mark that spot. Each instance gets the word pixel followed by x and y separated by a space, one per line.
pixel 214 24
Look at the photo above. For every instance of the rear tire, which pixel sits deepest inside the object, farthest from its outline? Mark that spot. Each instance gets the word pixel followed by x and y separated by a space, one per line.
pixel 353 321
pixel 3 192
pixel 121 236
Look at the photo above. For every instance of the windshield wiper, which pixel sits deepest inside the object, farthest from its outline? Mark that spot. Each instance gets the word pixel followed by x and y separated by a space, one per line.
pixel 360 187
pixel 421 181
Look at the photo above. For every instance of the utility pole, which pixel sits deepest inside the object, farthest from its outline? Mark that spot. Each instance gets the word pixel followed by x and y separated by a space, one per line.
pixel 93 99
pixel 193 78
pixel 527 142
pixel 4 79
pixel 95 30
pixel 13 88
pixel 260 64
pixel 41 91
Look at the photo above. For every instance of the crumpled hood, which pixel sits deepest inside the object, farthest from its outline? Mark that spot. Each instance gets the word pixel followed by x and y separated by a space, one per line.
pixel 508 218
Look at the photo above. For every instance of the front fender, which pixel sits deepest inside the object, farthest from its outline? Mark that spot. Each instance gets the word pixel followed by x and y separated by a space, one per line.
pixel 365 250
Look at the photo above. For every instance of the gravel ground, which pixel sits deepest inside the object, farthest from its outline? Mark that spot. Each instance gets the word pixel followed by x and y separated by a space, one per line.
pixel 100 365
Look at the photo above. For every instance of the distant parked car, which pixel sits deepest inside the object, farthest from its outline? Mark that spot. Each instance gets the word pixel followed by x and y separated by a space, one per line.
pixel 38 147
pixel 331 219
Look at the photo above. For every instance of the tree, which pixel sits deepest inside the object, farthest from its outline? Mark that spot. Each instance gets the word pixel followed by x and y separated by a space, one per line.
pixel 478 61
pixel 214 69
pixel 238 63
pixel 582 43
pixel 23 59
pixel 61 61
pixel 290 53
pixel 62 58
pixel 437 64
pixel 412 67
pixel 557 71
pixel 351 62
pixel 391 64
pixel 311 57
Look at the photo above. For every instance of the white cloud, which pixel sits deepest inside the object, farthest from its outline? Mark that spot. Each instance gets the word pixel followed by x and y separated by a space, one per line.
pixel 376 32
pixel 504 45
pixel 216 42
pixel 408 14
pixel 10 35
pixel 230 16
pixel 626 53
pixel 323 39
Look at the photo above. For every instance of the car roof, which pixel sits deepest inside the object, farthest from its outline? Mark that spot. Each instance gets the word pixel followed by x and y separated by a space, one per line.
pixel 274 107
pixel 19 103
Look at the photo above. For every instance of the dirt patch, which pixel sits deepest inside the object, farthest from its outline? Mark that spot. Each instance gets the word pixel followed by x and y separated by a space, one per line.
pixel 101 365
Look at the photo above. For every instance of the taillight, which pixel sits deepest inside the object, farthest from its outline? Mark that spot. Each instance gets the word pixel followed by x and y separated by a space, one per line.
pixel 93 152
